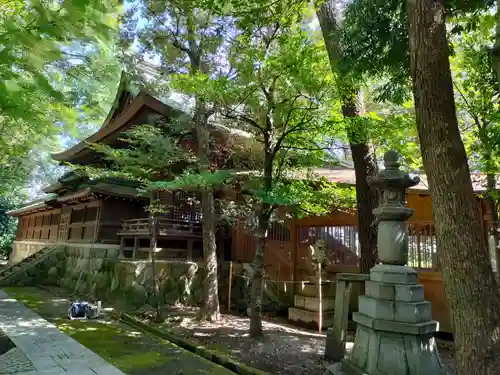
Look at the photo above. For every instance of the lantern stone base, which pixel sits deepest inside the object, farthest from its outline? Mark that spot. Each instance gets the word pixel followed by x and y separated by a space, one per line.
pixel 394 334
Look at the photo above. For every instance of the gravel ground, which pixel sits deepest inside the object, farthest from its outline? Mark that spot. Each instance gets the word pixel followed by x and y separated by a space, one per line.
pixel 284 350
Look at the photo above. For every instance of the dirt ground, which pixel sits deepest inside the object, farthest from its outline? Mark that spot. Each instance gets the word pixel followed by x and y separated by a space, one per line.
pixel 284 350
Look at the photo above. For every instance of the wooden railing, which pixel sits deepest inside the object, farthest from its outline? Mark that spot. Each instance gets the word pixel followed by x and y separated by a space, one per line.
pixel 166 227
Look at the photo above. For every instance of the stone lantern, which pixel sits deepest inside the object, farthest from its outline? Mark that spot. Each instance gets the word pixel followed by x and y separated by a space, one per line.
pixel 394 334
pixel 392 212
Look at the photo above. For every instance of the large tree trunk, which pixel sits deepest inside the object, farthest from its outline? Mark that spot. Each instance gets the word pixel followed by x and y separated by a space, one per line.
pixel 362 155
pixel 210 309
pixel 364 166
pixel 470 285
pixel 263 217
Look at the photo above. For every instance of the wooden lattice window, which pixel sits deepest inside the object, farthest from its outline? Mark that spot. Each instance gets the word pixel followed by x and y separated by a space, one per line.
pixel 278 232
pixel 54 219
pixel 186 206
pixel 91 214
pixel 46 220
pixel 77 216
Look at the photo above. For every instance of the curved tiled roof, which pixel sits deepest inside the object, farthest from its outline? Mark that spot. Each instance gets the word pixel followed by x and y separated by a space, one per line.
pixel 128 103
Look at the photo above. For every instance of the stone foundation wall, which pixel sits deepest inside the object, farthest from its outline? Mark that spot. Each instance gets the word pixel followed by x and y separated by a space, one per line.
pixel 24 249
pixel 94 272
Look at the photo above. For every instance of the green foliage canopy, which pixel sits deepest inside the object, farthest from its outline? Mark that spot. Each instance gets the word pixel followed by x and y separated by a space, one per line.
pixel 44 45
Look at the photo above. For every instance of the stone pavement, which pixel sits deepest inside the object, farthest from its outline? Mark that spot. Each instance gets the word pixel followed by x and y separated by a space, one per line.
pixel 41 348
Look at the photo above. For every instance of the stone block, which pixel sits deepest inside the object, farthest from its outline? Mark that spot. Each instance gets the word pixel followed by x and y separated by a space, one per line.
pixel 309 317
pixel 353 277
pixel 384 273
pixel 377 309
pixel 379 352
pixel 380 291
pixel 412 312
pixel 311 290
pixel 334 347
pixel 312 303
pixel 409 293
pixel 422 328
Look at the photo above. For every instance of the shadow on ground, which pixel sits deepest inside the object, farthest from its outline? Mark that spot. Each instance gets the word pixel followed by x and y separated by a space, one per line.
pixel 283 350
pixel 132 351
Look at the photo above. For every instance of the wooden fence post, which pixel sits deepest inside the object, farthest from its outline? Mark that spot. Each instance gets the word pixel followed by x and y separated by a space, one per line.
pixel 230 286
pixel 320 300
pixel 337 335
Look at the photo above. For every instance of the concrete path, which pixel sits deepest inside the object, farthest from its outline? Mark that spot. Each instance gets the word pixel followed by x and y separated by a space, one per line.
pixel 41 348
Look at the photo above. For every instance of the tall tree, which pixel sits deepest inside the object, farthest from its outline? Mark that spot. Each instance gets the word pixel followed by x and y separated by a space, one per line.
pixel 280 92
pixel 188 40
pixel 329 13
pixel 470 285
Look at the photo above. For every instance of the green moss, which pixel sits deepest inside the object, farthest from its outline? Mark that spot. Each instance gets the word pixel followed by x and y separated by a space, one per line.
pixel 130 350
pixel 30 301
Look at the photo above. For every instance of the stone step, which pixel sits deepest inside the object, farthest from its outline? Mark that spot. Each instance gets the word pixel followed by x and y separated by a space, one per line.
pixel 312 303
pixel 311 290
pixel 309 317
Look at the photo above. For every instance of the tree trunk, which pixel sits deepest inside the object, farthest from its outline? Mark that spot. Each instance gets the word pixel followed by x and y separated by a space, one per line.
pixel 258 274
pixel 366 197
pixel 152 251
pixel 363 157
pixel 470 285
pixel 210 309
pixel 263 217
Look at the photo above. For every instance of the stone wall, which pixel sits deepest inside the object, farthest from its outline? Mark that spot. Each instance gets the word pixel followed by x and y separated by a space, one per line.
pixel 24 249
pixel 94 272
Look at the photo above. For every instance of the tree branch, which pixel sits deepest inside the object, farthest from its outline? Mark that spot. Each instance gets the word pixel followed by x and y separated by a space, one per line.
pixel 469 107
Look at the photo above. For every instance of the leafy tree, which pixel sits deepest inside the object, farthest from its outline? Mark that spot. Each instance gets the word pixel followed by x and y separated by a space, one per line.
pixel 8 226
pixel 279 90
pixel 470 285
pixel 383 48
pixel 160 157
pixel 475 83
pixel 353 108
pixel 38 41
pixel 188 40
pixel 153 154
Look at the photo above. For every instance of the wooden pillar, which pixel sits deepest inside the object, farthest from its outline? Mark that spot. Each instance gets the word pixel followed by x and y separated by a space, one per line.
pixel 122 246
pixel 418 232
pixel 337 335
pixel 136 245
pixel 293 231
